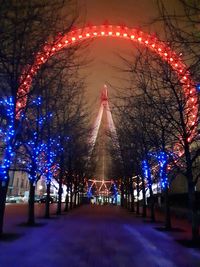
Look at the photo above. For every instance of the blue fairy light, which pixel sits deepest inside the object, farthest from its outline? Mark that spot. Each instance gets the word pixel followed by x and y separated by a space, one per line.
pixel 162 159
pixel 198 87
pixel 6 137
pixel 147 172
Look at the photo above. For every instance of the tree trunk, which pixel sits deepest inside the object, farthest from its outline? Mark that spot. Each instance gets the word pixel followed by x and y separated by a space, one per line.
pixel 75 200
pixel 66 201
pixel 3 193
pixel 126 196
pixel 144 206
pixel 138 207
pixel 167 210
pixel 138 194
pixel 75 195
pixel 81 193
pixel 60 190
pixel 122 194
pixel 71 197
pixel 31 203
pixel 47 203
pixel 192 195
pixel 132 202
pixel 152 205
pixel 132 207
pixel 126 199
pixel 79 200
pixel 193 212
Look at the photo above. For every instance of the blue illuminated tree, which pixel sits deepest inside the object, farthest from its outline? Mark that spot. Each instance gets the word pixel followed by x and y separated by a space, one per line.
pixel 40 151
pixel 21 39
pixel 148 178
pixel 114 192
pixel 163 160
pixel 51 166
pixel 39 162
pixel 7 134
pixel 160 162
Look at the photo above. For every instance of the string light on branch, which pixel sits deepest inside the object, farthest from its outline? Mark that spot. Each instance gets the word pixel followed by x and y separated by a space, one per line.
pixel 147 172
pixel 6 136
pixel 42 153
pixel 162 167
pixel 162 160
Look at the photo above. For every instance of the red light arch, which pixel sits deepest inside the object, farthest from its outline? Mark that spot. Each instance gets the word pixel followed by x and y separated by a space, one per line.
pixel 151 42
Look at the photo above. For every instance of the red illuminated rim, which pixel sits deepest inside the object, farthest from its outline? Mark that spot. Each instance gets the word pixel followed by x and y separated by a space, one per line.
pixel 151 42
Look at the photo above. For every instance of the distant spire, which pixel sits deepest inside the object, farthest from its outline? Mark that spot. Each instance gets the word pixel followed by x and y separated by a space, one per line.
pixel 104 106
pixel 104 94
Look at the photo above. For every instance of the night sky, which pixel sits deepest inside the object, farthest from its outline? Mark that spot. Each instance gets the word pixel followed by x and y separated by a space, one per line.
pixel 104 51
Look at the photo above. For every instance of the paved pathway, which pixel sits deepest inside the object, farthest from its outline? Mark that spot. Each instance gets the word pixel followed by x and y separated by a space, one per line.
pixel 96 236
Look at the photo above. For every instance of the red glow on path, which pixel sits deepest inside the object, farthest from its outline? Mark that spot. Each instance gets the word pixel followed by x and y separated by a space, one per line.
pixel 154 44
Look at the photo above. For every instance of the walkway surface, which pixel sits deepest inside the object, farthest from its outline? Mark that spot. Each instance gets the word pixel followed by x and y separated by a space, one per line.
pixel 93 236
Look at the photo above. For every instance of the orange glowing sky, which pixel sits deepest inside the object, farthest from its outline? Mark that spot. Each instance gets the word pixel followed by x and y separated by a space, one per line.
pixel 103 52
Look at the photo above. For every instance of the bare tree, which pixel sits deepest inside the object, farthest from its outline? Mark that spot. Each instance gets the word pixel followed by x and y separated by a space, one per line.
pixel 23 32
pixel 182 31
pixel 167 114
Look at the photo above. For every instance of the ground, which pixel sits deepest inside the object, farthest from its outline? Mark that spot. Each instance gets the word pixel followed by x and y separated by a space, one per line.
pixel 91 236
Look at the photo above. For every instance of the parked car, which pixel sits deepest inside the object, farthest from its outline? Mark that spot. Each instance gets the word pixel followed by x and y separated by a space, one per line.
pixel 19 199
pixel 37 199
pixel 43 199
pixel 11 199
pixel 14 199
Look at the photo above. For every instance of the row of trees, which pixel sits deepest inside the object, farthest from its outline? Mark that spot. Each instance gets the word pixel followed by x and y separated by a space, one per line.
pixel 47 138
pixel 154 112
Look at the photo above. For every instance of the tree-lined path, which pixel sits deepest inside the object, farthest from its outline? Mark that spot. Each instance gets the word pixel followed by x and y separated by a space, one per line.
pixel 95 236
